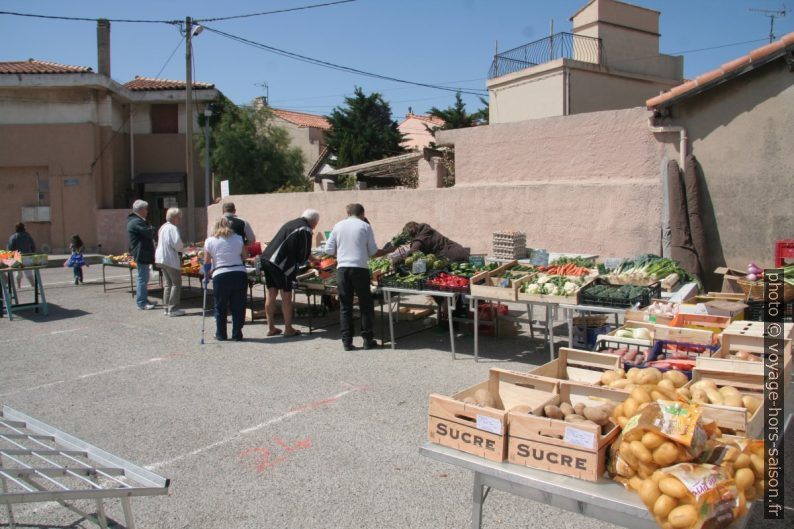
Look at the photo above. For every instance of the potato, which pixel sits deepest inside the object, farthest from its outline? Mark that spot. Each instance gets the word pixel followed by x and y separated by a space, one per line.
pixel 628 456
pixel 552 412
pixel 618 411
pixel 758 465
pixel 699 395
pixel 640 396
pixel 728 390
pixel 663 505
pixel 597 414
pixel 649 492
pixel 666 454
pixel 683 516
pixel 484 398
pixel 742 461
pixel 610 376
pixel 674 488
pixel 751 403
pixel 715 397
pixel 640 452
pixel 676 377
pixel 744 478
pixel 620 384
pixel 704 385
pixel 635 482
pixel 646 470
pixel 649 375
pixel 684 392
pixel 633 373
pixel 629 407
pixel 574 418
pixel 666 383
pixel 652 440
pixel 566 409
pixel 622 421
pixel 579 408
pixel 731 399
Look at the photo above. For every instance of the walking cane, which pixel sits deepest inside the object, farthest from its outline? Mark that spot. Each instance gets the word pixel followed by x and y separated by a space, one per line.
pixel 204 283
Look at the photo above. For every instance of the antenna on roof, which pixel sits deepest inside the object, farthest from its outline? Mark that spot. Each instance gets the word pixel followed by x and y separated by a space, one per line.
pixel 264 85
pixel 772 14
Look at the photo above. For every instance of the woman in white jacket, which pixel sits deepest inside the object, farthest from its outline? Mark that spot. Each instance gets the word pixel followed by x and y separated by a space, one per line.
pixel 169 244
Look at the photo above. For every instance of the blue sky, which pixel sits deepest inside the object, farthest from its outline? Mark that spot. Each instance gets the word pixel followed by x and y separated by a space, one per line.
pixel 447 42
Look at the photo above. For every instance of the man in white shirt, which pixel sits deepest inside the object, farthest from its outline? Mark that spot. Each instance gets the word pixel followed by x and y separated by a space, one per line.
pixel 353 242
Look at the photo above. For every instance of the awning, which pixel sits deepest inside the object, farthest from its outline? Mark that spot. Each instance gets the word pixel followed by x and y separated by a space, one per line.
pixel 159 178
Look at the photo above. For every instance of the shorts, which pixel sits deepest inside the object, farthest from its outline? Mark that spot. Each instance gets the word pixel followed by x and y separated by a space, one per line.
pixel 275 278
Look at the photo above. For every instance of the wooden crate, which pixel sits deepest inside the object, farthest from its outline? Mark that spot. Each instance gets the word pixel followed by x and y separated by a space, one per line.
pixel 715 324
pixel 631 325
pixel 732 417
pixel 754 328
pixel 480 430
pixel 643 315
pixel 684 335
pixel 578 366
pixel 744 339
pixel 483 284
pixel 581 452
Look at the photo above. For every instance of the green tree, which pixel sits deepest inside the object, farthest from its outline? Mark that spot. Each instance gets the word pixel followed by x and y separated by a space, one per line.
pixel 250 151
pixel 363 130
pixel 456 117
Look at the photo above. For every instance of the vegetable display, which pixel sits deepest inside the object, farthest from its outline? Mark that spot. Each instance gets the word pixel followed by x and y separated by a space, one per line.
pixel 647 269
pixel 380 264
pixel 467 269
pixel 444 280
pixel 569 269
pixel 552 285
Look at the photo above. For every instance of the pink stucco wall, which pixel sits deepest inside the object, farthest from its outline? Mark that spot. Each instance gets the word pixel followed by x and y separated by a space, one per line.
pixel 111 229
pixel 593 147
pixel 573 184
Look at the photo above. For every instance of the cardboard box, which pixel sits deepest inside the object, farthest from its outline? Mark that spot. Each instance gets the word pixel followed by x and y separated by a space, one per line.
pixel 730 278
pixel 731 309
pixel 731 417
pixel 575 365
pixel 580 450
pixel 482 430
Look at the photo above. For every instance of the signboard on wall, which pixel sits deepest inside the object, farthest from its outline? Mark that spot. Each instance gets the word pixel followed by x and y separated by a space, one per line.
pixel 224 188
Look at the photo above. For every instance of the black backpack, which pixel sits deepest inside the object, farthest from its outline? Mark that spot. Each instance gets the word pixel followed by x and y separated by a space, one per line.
pixel 238 227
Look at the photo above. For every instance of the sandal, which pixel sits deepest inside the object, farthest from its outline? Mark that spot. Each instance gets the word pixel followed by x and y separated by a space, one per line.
pixel 274 332
pixel 296 332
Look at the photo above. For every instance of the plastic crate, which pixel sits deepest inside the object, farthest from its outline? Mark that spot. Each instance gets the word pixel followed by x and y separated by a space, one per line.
pixel 650 293
pixel 444 288
pixel 755 311
pixel 784 252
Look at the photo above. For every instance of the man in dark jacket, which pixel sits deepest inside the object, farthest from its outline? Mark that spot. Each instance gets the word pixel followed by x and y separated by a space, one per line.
pixel 239 226
pixel 22 242
pixel 289 249
pixel 141 235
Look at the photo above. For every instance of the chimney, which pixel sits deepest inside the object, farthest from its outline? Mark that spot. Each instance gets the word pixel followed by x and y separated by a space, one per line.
pixel 103 46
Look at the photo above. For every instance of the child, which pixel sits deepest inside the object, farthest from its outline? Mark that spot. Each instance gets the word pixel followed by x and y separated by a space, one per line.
pixel 76 260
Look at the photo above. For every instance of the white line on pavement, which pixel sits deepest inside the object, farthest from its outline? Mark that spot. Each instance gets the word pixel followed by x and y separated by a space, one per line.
pixel 244 431
pixel 29 336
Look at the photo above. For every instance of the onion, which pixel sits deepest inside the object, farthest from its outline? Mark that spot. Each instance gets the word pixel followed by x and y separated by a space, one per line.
pixel 753 268
pixel 751 277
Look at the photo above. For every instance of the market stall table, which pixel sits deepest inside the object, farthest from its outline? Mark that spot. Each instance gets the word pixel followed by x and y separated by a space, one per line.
pixel 569 310
pixel 604 499
pixel 551 315
pixel 126 266
pixel 10 299
pixel 389 292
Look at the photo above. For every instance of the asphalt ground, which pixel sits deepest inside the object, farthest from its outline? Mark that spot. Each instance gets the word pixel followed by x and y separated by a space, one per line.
pixel 265 433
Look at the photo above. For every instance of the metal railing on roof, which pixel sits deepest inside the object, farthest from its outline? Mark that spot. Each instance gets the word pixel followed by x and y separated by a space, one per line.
pixel 557 46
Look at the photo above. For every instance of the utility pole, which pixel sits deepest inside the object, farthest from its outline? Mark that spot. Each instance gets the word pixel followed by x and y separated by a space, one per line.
pixel 207 115
pixel 191 185
pixel 772 14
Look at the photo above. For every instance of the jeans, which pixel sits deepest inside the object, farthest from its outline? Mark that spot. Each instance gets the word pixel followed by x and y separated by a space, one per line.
pixel 228 289
pixel 172 287
pixel 78 273
pixel 142 288
pixel 350 282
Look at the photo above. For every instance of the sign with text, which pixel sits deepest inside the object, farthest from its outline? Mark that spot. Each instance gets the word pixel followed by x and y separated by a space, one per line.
pixel 224 188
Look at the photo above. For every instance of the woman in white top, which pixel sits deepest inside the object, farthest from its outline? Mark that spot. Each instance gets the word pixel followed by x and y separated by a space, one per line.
pixel 169 244
pixel 225 252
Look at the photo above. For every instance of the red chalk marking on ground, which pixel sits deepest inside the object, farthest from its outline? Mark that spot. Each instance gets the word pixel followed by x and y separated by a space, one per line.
pixel 265 459
pixel 315 404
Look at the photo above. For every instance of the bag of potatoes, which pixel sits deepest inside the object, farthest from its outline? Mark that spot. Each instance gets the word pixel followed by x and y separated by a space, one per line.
pixel 662 434
pixel 743 459
pixel 693 496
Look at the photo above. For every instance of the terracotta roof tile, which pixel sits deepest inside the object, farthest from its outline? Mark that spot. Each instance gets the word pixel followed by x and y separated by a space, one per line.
pixel 428 119
pixel 717 74
pixel 33 66
pixel 302 119
pixel 150 83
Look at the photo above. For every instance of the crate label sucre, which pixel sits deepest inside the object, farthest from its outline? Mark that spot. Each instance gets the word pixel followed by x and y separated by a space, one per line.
pixel 545 453
pixel 578 437
pixel 452 432
pixel 489 424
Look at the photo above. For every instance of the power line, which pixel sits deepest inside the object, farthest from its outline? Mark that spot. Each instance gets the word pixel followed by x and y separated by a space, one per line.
pixel 301 8
pixel 333 66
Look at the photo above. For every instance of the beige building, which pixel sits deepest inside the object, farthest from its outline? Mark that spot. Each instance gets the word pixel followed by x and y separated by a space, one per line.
pixel 306 131
pixel 415 126
pixel 610 60
pixel 77 147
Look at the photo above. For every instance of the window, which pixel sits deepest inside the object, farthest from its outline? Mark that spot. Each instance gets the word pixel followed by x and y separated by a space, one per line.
pixel 165 119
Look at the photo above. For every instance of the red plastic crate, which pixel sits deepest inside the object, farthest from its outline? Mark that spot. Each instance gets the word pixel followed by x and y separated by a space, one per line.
pixel 784 249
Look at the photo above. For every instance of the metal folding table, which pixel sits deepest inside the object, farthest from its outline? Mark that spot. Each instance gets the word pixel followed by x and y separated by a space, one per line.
pixel 10 300
pixel 41 463
pixel 551 315
pixel 132 282
pixel 570 309
pixel 388 292
pixel 604 499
